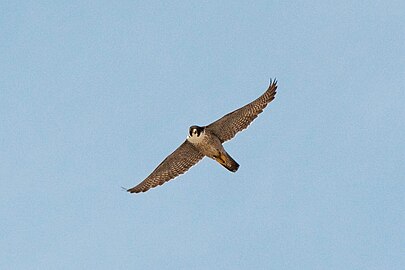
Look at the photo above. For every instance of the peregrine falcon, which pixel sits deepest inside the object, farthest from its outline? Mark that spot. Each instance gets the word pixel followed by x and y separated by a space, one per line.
pixel 207 141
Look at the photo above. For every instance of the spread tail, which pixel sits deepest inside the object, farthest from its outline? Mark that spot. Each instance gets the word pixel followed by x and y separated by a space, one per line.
pixel 227 161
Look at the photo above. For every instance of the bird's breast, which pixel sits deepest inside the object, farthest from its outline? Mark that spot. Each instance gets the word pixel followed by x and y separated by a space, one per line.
pixel 198 139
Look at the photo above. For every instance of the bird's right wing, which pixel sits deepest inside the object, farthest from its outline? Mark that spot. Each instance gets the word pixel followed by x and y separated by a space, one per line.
pixel 178 162
pixel 226 127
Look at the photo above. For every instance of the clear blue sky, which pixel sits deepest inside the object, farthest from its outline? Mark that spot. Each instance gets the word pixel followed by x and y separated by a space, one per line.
pixel 93 95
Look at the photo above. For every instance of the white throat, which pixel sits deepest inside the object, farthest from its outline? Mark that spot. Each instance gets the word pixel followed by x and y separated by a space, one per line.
pixel 196 139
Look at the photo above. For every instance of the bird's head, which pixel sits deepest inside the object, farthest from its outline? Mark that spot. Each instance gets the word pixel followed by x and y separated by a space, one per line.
pixel 195 131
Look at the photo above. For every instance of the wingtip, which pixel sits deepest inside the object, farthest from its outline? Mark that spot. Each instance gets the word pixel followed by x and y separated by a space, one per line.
pixel 137 189
pixel 132 190
pixel 129 190
pixel 272 86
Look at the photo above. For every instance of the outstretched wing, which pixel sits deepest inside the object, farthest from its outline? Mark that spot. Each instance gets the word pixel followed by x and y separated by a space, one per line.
pixel 226 127
pixel 178 162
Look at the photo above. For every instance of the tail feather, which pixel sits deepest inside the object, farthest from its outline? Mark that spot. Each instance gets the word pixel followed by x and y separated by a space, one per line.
pixel 228 162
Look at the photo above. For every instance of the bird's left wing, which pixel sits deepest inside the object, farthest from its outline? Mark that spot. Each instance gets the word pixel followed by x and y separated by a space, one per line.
pixel 178 162
pixel 226 127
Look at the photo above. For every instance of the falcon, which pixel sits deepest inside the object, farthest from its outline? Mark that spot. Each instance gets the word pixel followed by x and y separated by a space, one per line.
pixel 207 141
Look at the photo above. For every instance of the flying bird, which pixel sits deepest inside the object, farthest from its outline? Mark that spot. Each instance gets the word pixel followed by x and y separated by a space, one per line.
pixel 207 141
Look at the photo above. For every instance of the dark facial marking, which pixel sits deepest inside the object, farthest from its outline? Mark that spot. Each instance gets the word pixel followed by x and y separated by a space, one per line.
pixel 197 129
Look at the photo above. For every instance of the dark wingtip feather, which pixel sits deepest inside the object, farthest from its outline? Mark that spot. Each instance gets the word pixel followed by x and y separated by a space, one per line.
pixel 131 190
pixel 272 88
pixel 273 82
pixel 135 190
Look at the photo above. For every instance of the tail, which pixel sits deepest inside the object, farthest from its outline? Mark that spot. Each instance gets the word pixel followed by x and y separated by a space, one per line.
pixel 227 161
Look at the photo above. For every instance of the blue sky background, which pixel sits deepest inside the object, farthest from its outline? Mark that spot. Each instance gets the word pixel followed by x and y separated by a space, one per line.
pixel 93 95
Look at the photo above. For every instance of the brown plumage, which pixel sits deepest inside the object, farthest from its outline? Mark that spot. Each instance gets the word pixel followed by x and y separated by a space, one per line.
pixel 178 162
pixel 227 126
pixel 207 141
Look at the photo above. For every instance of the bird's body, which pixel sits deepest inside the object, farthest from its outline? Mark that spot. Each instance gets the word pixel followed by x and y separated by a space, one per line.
pixel 210 145
pixel 207 141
